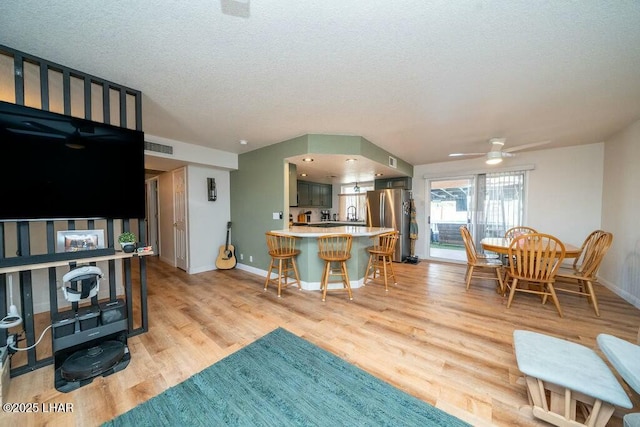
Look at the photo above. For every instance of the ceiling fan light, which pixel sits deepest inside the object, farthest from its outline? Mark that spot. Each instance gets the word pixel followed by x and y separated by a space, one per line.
pixel 494 157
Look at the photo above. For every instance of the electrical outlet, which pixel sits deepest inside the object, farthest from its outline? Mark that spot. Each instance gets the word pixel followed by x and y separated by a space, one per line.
pixel 250 258
pixel 241 257
pixel 276 215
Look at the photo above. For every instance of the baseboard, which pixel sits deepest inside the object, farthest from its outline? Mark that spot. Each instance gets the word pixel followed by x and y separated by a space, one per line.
pixel 201 269
pixel 307 286
pixel 631 299
pixel 251 269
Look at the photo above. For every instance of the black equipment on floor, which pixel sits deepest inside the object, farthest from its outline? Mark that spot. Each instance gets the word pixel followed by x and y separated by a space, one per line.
pixel 90 340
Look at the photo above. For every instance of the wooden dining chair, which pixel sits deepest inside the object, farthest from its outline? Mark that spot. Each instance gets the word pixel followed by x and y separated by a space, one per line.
pixel 479 267
pixel 515 232
pixel 534 259
pixel 585 268
pixel 518 230
pixel 381 258
pixel 585 250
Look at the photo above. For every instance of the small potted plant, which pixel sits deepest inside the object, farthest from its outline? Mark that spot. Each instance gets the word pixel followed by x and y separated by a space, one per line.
pixel 127 241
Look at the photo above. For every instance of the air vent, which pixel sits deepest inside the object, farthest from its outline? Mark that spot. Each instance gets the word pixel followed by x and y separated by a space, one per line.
pixel 158 148
pixel 393 162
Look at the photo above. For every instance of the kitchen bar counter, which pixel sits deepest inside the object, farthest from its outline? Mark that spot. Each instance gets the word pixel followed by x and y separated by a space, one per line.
pixel 317 231
pixel 310 266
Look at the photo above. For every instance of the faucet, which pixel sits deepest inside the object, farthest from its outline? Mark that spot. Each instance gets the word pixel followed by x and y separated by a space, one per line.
pixel 351 216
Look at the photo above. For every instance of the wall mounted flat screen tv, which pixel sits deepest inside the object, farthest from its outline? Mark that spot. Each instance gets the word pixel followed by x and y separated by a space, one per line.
pixel 61 167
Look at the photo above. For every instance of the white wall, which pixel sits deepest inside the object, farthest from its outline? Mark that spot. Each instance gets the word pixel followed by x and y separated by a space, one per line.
pixel 207 220
pixel 191 153
pixel 620 269
pixel 564 191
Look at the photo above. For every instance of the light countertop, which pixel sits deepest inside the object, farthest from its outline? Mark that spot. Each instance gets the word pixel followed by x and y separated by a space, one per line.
pixel 355 231
pixel 333 223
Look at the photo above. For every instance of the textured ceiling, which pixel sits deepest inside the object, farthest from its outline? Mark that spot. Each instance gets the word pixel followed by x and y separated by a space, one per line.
pixel 420 79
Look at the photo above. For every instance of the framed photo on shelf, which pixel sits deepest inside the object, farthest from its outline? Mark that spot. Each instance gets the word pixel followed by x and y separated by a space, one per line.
pixel 79 240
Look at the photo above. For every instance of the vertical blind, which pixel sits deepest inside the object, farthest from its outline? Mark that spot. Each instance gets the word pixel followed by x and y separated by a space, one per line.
pixel 500 202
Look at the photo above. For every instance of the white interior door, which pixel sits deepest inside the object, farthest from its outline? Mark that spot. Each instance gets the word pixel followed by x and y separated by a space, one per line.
pixel 153 216
pixel 180 217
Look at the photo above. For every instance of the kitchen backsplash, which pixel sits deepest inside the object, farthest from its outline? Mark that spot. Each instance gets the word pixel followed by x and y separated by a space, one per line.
pixel 315 214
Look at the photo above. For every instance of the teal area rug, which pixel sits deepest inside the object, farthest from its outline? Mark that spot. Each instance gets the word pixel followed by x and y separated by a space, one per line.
pixel 283 380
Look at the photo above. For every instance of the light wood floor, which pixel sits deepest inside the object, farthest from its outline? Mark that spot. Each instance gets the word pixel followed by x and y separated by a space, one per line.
pixel 426 336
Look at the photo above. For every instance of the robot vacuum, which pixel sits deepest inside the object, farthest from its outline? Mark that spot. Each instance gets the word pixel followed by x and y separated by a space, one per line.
pixel 92 361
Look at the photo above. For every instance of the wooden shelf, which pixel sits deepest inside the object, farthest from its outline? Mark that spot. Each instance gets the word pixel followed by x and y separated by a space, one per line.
pixel 40 265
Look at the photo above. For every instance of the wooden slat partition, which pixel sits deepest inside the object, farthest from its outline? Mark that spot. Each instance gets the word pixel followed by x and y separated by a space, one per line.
pixel 23 229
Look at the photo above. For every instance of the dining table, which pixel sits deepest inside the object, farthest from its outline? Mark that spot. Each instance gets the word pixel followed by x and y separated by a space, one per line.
pixel 501 245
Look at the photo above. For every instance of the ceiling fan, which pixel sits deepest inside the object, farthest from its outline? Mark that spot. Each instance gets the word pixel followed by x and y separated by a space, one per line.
pixel 497 152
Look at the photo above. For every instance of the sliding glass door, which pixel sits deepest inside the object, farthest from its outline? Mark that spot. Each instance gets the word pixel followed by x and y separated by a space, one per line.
pixel 451 206
pixel 488 204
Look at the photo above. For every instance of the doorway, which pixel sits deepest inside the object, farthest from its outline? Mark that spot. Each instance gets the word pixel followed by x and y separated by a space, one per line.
pixel 153 220
pixel 488 204
pixel 180 217
pixel 450 206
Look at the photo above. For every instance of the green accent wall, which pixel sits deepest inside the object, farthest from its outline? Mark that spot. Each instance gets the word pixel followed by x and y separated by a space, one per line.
pixel 259 185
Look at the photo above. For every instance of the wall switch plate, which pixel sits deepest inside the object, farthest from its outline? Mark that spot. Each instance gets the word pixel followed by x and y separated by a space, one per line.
pixel 250 258
pixel 276 215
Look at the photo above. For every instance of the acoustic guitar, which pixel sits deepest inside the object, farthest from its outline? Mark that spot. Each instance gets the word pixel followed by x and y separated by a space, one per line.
pixel 226 255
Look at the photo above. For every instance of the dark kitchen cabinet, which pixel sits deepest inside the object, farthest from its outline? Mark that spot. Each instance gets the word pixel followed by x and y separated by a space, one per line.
pixel 304 193
pixel 314 194
pixel 293 185
pixel 325 195
pixel 400 182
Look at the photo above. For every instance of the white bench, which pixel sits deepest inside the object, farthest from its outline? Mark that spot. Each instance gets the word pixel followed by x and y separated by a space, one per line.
pixel 625 358
pixel 562 376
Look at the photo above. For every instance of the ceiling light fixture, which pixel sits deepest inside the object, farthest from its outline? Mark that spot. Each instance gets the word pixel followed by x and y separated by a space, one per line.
pixel 379 174
pixel 307 159
pixel 303 174
pixel 494 157
pixel 356 189
pixel 243 142
pixel 350 160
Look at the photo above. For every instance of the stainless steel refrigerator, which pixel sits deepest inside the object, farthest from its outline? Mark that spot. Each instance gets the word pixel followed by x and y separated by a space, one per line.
pixel 391 208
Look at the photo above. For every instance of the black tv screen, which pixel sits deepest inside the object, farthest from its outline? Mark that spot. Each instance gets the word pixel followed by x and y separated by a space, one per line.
pixel 62 167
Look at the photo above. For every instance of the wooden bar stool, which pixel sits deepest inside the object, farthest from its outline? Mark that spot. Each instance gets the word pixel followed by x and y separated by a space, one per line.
pixel 283 252
pixel 381 258
pixel 335 250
